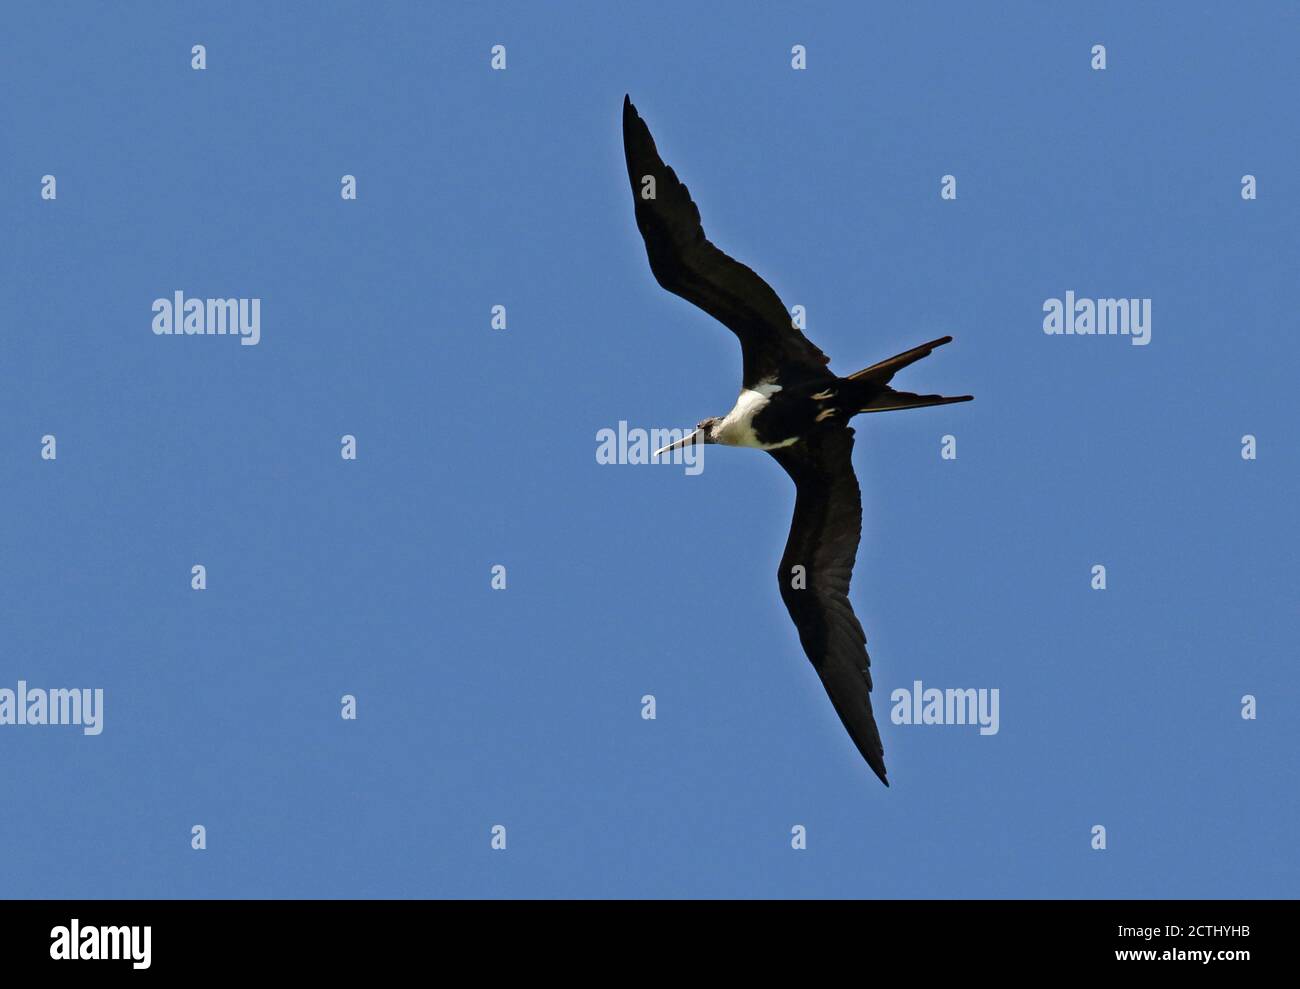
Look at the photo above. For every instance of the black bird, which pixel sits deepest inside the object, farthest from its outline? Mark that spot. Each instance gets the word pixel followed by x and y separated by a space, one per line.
pixel 792 406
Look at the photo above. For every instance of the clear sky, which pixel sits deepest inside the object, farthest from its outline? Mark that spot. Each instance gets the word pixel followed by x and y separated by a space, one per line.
pixel 476 448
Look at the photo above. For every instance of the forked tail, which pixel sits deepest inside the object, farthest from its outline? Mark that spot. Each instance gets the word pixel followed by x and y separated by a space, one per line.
pixel 877 396
pixel 889 399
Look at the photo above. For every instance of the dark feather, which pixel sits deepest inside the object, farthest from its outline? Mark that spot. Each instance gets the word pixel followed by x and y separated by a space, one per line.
pixel 688 265
pixel 824 541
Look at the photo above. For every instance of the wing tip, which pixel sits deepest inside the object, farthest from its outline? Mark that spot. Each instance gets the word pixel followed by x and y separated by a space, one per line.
pixel 635 131
pixel 878 767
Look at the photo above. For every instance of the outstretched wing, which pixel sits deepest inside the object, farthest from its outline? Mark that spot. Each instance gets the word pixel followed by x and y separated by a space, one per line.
pixel 824 543
pixel 687 264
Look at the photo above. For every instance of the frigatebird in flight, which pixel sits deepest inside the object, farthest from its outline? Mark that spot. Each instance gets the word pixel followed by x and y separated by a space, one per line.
pixel 792 406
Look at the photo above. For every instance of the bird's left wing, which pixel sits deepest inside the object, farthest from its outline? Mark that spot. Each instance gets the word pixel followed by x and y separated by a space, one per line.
pixel 687 264
pixel 824 543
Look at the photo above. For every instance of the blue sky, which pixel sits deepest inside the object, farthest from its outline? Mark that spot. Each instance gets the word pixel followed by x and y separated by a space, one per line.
pixel 476 447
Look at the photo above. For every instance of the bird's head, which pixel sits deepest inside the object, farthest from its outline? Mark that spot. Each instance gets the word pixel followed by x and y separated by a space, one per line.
pixel 705 432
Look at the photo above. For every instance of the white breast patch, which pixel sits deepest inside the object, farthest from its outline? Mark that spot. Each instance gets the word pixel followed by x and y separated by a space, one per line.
pixel 737 426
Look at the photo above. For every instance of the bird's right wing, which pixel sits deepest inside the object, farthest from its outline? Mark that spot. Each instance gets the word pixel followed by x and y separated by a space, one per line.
pixel 824 544
pixel 687 264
